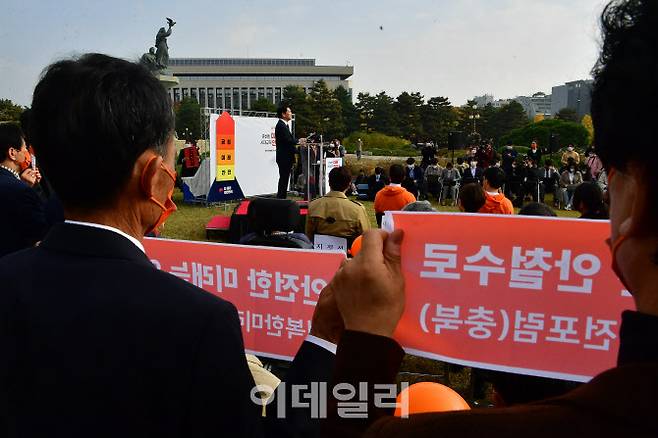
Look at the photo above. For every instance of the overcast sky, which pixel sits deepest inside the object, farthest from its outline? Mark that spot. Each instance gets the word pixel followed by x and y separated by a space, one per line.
pixel 453 48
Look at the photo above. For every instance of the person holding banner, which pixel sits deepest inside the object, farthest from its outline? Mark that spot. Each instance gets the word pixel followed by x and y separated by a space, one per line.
pixel 95 339
pixel 285 149
pixel 369 290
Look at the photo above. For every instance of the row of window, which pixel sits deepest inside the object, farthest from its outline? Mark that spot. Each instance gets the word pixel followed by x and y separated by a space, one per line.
pixel 257 78
pixel 240 61
pixel 228 98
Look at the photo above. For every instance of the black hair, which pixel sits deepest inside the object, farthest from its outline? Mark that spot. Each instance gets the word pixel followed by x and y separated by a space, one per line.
pixel 460 160
pixel 11 136
pixel 379 170
pixel 472 197
pixel 449 165
pixel 411 160
pixel 340 178
pixel 537 209
pixel 591 196
pixel 495 176
pixel 548 162
pixel 396 173
pixel 105 110
pixel 25 119
pixel 281 110
pixel 626 76
pixel 434 161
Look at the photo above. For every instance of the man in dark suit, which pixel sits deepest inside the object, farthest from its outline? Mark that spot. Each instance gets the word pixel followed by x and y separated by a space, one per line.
pixel 285 149
pixel 619 402
pixel 549 179
pixel 100 342
pixel 473 174
pixel 413 179
pixel 23 220
pixel 376 182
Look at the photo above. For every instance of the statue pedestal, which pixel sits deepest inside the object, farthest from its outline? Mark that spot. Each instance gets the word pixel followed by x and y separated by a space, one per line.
pixel 168 81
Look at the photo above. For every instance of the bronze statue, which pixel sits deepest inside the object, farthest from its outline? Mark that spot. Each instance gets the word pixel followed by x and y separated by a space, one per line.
pixel 162 50
pixel 149 60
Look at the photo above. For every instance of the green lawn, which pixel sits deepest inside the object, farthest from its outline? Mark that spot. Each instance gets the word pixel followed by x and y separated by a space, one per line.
pixel 188 223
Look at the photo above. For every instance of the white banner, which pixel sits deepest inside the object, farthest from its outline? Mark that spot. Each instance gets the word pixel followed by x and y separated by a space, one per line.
pixel 330 163
pixel 255 155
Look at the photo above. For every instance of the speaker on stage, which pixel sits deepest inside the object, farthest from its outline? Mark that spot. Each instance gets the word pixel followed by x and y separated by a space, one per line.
pixel 455 140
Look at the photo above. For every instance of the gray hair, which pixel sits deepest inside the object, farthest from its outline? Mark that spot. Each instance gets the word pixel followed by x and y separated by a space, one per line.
pixel 419 206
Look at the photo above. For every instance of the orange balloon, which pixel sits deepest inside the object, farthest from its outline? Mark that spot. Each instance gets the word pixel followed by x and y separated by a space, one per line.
pixel 431 397
pixel 356 246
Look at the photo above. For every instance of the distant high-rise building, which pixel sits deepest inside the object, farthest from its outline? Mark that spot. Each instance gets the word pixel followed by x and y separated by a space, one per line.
pixel 576 95
pixel 538 103
pixel 499 103
pixel 482 101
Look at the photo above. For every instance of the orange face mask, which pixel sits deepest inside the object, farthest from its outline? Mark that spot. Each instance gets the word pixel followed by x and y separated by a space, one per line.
pixel 614 246
pixel 27 162
pixel 169 206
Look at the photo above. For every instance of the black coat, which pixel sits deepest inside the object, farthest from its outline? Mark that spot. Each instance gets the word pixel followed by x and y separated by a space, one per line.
pixel 617 402
pixel 22 221
pixel 467 176
pixel 285 144
pixel 101 343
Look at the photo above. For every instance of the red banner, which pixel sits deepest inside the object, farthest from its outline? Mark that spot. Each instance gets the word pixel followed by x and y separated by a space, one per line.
pixel 275 290
pixel 530 295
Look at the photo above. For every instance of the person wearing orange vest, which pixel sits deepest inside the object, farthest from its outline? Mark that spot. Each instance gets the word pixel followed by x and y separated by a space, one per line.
pixel 393 196
pixel 496 202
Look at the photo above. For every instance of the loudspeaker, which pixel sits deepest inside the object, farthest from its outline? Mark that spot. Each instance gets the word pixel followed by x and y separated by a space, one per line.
pixel 553 142
pixel 455 140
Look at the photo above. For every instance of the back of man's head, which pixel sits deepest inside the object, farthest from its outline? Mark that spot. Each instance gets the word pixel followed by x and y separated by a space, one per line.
pixel 419 206
pixel 11 136
pixel 471 197
pixel 590 195
pixel 495 177
pixel 396 173
pixel 340 179
pixel 536 209
pixel 92 117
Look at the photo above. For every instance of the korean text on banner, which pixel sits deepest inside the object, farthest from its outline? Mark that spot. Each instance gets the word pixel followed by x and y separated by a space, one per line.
pixel 275 290
pixel 530 295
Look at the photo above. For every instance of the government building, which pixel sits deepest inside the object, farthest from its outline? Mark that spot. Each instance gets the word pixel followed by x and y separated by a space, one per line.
pixel 235 83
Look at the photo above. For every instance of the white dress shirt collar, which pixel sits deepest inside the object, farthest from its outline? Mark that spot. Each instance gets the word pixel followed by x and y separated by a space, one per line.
pixel 136 242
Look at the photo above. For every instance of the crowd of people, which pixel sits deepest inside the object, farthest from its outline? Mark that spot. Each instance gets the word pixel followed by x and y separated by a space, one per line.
pixel 96 341
pixel 518 179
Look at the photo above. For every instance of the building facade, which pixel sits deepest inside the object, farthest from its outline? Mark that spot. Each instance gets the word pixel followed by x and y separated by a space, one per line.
pixel 576 95
pixel 235 83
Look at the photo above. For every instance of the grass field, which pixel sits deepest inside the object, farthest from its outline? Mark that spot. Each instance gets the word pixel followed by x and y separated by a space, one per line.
pixel 188 223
